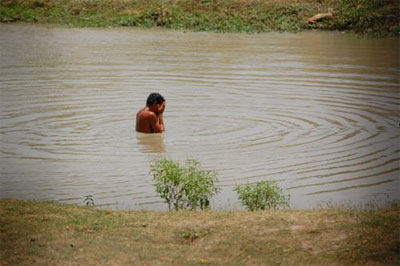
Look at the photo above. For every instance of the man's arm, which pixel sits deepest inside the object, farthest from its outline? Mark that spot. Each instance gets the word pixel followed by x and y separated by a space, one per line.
pixel 161 121
pixel 160 115
pixel 155 124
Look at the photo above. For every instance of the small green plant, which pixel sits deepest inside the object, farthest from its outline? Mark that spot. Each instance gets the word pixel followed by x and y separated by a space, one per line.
pixel 89 201
pixel 262 195
pixel 192 234
pixel 188 235
pixel 184 187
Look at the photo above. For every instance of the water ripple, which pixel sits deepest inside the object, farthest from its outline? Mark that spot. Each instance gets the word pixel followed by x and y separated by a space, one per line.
pixel 318 112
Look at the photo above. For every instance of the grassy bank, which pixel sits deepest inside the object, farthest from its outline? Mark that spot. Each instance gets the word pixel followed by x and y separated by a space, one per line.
pixel 376 17
pixel 43 233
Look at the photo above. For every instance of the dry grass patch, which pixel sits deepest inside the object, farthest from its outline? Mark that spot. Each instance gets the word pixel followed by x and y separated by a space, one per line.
pixel 39 233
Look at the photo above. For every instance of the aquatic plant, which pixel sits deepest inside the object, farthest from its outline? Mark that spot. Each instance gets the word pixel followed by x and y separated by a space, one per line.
pixel 184 187
pixel 262 195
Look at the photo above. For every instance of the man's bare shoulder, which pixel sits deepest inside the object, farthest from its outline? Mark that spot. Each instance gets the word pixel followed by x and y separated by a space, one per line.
pixel 144 113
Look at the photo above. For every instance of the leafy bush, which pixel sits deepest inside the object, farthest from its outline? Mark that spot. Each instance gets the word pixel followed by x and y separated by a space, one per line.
pixel 262 195
pixel 184 187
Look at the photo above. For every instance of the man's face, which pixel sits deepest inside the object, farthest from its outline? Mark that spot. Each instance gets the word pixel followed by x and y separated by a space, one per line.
pixel 155 108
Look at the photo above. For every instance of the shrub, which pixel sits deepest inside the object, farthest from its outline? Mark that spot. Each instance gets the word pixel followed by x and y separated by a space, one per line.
pixel 262 195
pixel 184 187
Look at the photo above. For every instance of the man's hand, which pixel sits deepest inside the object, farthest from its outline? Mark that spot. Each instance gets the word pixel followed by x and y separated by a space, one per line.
pixel 162 108
pixel 160 116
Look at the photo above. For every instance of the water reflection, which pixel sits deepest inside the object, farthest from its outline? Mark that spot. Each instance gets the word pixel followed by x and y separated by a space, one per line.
pixel 150 143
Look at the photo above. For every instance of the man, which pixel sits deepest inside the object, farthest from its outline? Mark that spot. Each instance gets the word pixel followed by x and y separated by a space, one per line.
pixel 149 119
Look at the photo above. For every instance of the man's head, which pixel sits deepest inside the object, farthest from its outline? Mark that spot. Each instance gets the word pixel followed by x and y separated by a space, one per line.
pixel 154 98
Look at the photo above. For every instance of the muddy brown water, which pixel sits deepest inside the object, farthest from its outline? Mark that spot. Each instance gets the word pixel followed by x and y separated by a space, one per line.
pixel 317 111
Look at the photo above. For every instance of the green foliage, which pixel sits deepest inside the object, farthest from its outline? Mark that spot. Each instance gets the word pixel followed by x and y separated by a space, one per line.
pixel 88 200
pixel 192 234
pixel 189 235
pixel 184 187
pixel 262 195
pixel 372 17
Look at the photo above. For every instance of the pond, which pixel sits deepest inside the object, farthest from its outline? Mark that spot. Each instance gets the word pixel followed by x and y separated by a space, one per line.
pixel 318 112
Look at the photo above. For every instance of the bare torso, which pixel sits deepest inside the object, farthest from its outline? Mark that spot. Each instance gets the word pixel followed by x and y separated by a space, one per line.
pixel 148 121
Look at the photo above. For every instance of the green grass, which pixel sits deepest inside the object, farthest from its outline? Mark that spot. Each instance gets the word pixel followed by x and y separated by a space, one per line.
pixel 372 17
pixel 45 233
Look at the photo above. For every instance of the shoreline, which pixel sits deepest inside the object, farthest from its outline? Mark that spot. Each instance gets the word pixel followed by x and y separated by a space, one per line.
pixel 371 18
pixel 39 233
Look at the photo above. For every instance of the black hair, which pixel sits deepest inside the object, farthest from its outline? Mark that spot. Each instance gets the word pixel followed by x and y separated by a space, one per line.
pixel 154 98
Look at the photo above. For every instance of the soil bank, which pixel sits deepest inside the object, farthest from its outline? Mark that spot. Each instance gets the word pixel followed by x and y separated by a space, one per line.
pixel 46 233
